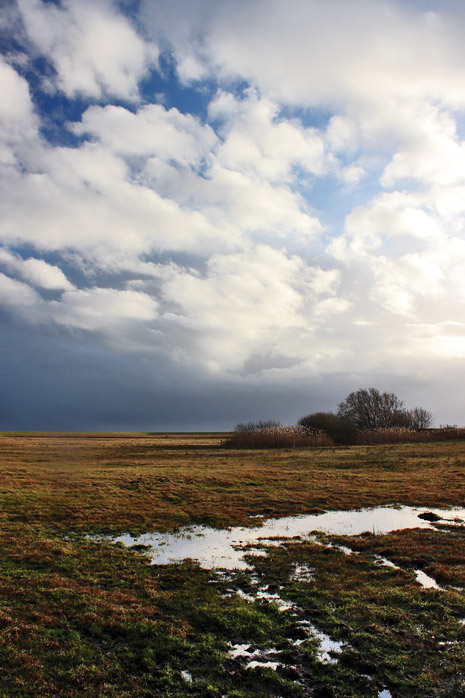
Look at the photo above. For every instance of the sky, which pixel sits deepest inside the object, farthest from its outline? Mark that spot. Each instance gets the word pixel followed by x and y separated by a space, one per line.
pixel 216 211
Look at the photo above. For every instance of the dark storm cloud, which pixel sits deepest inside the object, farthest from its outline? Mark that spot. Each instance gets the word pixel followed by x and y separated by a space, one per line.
pixel 196 229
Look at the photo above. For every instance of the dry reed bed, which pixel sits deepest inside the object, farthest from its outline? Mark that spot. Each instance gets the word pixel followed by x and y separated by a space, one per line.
pixel 304 437
pixel 279 437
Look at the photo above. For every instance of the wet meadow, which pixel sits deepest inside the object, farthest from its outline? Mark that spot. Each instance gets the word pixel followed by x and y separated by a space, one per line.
pixel 315 612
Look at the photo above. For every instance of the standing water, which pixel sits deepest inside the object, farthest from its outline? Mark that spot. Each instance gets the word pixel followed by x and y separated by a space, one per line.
pixel 214 548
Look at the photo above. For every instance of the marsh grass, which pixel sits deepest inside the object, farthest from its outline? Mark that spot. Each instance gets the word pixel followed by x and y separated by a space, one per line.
pixel 396 634
pixel 278 437
pixel 79 617
pixel 116 485
pixel 306 437
pixel 403 435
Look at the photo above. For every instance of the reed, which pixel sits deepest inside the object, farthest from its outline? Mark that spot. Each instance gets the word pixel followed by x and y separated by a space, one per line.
pixel 400 435
pixel 279 437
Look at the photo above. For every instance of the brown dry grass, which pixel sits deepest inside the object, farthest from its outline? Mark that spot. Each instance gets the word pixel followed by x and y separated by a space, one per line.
pixel 400 435
pixel 80 617
pixel 115 482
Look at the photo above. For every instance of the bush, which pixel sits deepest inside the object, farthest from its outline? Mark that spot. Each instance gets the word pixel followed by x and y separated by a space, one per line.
pixel 278 437
pixel 257 426
pixel 340 429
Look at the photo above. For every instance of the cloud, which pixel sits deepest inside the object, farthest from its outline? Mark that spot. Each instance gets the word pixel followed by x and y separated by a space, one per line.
pixel 407 252
pixel 36 271
pixel 318 52
pixel 244 305
pixel 397 219
pixel 152 131
pixel 434 156
pixel 18 121
pixel 16 112
pixel 257 142
pixel 307 221
pixel 93 48
pixel 103 309
pixel 388 74
pixel 17 295
pixel 428 285
pixel 85 199
pixel 156 180
pixel 261 303
pixel 122 319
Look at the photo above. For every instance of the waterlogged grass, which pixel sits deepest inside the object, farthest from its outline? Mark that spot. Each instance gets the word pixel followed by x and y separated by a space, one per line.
pixel 85 618
pixel 79 617
pixel 395 634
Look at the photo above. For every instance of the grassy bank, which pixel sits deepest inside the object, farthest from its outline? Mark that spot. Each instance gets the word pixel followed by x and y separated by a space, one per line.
pixel 79 617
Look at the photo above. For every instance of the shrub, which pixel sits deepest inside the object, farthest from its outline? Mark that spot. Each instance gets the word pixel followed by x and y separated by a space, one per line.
pixel 340 429
pixel 256 426
pixel 278 437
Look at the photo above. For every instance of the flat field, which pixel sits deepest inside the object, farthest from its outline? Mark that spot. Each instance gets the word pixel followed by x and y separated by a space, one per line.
pixel 86 617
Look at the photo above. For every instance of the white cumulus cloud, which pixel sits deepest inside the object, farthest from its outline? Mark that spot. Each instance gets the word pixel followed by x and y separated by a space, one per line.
pixel 36 271
pixel 94 49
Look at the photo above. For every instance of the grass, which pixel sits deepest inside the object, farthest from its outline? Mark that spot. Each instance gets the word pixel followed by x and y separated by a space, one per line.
pixel 139 484
pixel 79 617
pixel 396 634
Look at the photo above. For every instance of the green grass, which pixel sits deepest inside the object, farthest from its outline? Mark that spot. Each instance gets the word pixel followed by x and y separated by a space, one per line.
pixel 397 634
pixel 80 617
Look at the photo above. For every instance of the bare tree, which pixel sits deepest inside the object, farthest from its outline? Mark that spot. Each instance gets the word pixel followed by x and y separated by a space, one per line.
pixel 420 418
pixel 370 409
pixel 257 426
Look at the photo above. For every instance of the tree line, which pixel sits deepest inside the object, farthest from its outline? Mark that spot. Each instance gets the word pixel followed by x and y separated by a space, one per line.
pixel 367 409
pixel 365 416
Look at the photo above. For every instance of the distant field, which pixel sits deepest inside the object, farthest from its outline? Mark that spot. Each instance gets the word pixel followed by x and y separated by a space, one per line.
pixel 79 617
pixel 118 482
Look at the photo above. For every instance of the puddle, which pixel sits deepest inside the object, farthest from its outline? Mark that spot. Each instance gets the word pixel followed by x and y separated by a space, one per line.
pixel 326 649
pixel 385 562
pixel 241 651
pixel 326 646
pixel 421 577
pixel 263 665
pixel 302 573
pixel 342 548
pixel 276 599
pixel 214 548
pixel 426 581
pixel 256 658
pixel 266 658
pixel 187 676
pixel 243 595
pixel 263 594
